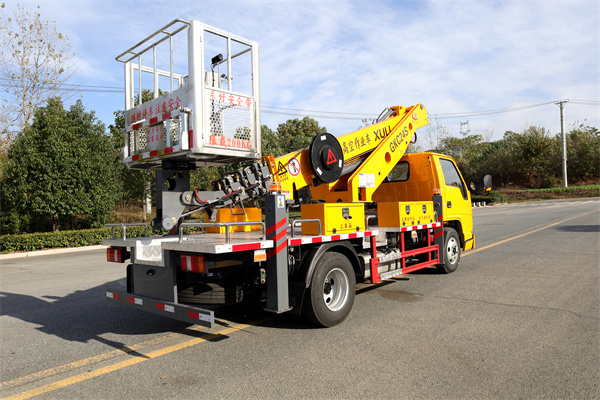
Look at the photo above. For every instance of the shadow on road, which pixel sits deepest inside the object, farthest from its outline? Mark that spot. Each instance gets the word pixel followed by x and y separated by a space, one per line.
pixel 84 315
pixel 578 228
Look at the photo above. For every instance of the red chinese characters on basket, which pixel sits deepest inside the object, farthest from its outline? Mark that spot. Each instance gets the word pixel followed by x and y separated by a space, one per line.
pixel 155 134
pixel 230 99
pixel 154 109
pixel 223 141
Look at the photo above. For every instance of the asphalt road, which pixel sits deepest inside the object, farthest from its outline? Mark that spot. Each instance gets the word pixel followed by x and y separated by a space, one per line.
pixel 518 319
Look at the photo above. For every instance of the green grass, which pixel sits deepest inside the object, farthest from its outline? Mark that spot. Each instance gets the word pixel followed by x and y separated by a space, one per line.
pixel 504 196
pixel 561 189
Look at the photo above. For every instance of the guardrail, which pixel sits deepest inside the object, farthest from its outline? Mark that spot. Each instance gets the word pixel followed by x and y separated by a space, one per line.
pixel 124 226
pixel 367 218
pixel 301 221
pixel 227 225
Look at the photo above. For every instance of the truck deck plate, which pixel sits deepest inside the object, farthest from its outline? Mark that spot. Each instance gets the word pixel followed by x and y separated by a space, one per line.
pixel 216 243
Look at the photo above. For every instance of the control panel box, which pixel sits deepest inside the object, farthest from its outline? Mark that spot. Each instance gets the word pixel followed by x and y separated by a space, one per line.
pixel 399 214
pixel 335 218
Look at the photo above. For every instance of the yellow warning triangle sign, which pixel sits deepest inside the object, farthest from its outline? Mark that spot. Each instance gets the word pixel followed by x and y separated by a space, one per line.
pixel 281 168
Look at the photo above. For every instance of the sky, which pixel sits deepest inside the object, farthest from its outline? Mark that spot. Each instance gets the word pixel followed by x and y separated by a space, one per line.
pixel 343 61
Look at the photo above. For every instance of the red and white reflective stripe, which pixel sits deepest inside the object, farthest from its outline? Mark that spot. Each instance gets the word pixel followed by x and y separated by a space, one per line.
pixel 135 300
pixel 198 316
pixel 277 233
pixel 418 227
pixel 151 121
pixel 231 248
pixel 330 238
pixel 113 295
pixel 165 307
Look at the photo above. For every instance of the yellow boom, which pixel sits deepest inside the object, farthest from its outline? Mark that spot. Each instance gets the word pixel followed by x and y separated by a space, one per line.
pixel 349 168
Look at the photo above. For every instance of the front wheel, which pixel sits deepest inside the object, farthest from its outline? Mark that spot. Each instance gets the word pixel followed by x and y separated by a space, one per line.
pixel 451 251
pixel 331 293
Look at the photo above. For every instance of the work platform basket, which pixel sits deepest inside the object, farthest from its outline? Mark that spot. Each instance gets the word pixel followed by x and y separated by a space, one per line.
pixel 199 91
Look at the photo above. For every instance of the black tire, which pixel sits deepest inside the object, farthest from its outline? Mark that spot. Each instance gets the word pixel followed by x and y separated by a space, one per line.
pixel 450 252
pixel 331 293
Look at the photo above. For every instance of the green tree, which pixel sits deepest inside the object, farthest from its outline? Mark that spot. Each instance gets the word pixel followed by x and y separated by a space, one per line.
pixel 524 159
pixel 61 172
pixel 35 63
pixel 294 135
pixel 269 143
pixel 535 149
pixel 583 154
pixel 465 151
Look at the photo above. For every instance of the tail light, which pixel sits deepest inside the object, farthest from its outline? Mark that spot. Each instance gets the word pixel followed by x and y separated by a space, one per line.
pixel 190 263
pixel 117 254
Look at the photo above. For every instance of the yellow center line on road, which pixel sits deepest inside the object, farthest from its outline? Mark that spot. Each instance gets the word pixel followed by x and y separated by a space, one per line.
pixel 91 360
pixel 468 253
pixel 132 361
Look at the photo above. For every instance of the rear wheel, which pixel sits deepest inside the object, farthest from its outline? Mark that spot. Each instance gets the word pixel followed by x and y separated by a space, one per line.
pixel 331 293
pixel 451 251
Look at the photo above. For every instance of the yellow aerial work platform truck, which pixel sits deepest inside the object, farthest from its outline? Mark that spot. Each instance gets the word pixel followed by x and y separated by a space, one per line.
pixel 367 210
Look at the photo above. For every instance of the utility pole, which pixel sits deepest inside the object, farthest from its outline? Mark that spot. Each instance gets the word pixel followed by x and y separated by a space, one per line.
pixel 561 104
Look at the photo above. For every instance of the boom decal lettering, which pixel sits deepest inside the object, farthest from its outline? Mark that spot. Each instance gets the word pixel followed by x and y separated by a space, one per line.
pixel 400 136
pixel 349 145
pixel 381 134
pixel 357 143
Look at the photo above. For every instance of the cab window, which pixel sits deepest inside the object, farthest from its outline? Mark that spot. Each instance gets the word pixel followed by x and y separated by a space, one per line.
pixel 452 177
pixel 399 173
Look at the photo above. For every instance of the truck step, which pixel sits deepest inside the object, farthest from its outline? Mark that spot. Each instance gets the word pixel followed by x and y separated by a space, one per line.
pixel 390 274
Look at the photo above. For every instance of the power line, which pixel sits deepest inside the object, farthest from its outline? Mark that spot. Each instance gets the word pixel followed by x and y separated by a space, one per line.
pixel 320 112
pixel 488 112
pixel 335 114
pixel 585 102
pixel 301 113
pixel 67 87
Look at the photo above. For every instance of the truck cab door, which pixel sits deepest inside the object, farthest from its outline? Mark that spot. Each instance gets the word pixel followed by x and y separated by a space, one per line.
pixel 457 200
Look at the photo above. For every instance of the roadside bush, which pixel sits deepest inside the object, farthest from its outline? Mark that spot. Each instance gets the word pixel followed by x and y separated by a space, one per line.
pixel 583 154
pixel 61 239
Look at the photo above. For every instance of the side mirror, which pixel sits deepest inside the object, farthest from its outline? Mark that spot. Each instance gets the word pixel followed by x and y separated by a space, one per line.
pixel 487 183
pixel 472 187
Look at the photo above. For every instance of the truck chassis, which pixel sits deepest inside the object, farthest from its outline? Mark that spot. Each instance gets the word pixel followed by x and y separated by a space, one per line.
pixel 294 270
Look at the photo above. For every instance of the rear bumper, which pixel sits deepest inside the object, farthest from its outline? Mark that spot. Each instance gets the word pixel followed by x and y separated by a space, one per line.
pixel 181 312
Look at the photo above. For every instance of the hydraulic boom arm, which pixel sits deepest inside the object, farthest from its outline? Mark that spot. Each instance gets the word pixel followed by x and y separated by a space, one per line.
pixel 351 167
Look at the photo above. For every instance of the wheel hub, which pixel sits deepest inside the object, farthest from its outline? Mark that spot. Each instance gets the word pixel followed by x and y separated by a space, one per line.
pixel 452 250
pixel 335 289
